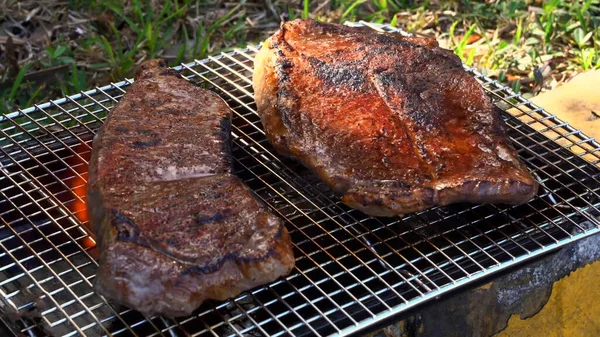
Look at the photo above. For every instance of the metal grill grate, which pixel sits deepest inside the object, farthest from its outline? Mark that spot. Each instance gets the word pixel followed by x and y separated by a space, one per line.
pixel 351 270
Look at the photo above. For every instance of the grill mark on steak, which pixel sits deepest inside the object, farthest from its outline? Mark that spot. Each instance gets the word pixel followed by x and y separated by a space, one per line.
pixel 174 226
pixel 383 80
pixel 142 144
pixel 364 109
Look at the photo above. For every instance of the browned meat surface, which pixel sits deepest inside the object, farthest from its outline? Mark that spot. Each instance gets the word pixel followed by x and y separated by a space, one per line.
pixel 174 226
pixel 393 124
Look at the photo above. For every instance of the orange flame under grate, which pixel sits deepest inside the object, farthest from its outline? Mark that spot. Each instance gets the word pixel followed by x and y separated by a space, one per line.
pixel 78 185
pixel 79 182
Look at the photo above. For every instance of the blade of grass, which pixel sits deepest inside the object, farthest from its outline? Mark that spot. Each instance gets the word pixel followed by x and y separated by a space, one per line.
pixel 451 31
pixel 463 42
pixel 518 33
pixel 239 25
pixel 217 23
pixel 306 9
pixel 185 45
pixel 33 97
pixel 18 80
pixel 117 36
pixel 181 54
pixel 204 46
pixel 394 22
pixel 516 87
pixel 548 28
pixel 197 40
pixel 108 49
pixel 178 12
pixel 469 61
pixel 150 39
pixel 166 9
pixel 351 8
pixel 382 5
pixel 125 18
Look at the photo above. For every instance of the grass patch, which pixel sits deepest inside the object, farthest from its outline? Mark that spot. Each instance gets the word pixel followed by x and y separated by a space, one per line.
pixel 54 48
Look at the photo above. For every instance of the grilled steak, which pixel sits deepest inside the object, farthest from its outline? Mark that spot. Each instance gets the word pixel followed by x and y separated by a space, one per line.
pixel 393 124
pixel 174 226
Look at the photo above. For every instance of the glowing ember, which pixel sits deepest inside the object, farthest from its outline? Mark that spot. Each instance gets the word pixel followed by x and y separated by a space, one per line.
pixel 88 242
pixel 78 184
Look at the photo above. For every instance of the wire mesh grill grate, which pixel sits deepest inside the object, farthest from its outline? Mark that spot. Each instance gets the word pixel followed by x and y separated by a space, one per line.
pixel 351 270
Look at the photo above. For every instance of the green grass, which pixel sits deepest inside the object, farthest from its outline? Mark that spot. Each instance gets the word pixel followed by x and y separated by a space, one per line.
pixel 529 45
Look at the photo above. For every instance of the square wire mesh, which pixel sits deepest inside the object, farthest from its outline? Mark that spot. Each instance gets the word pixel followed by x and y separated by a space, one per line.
pixel 351 271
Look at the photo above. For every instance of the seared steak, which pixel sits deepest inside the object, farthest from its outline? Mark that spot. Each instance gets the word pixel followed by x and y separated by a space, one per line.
pixel 393 124
pixel 174 226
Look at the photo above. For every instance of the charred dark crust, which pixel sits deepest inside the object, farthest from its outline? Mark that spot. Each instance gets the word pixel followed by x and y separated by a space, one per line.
pixel 146 144
pixel 386 39
pixel 286 97
pixel 325 28
pixel 127 229
pixel 338 73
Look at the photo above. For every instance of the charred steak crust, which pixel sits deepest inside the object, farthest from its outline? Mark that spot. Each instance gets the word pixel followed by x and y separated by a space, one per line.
pixel 174 226
pixel 393 124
